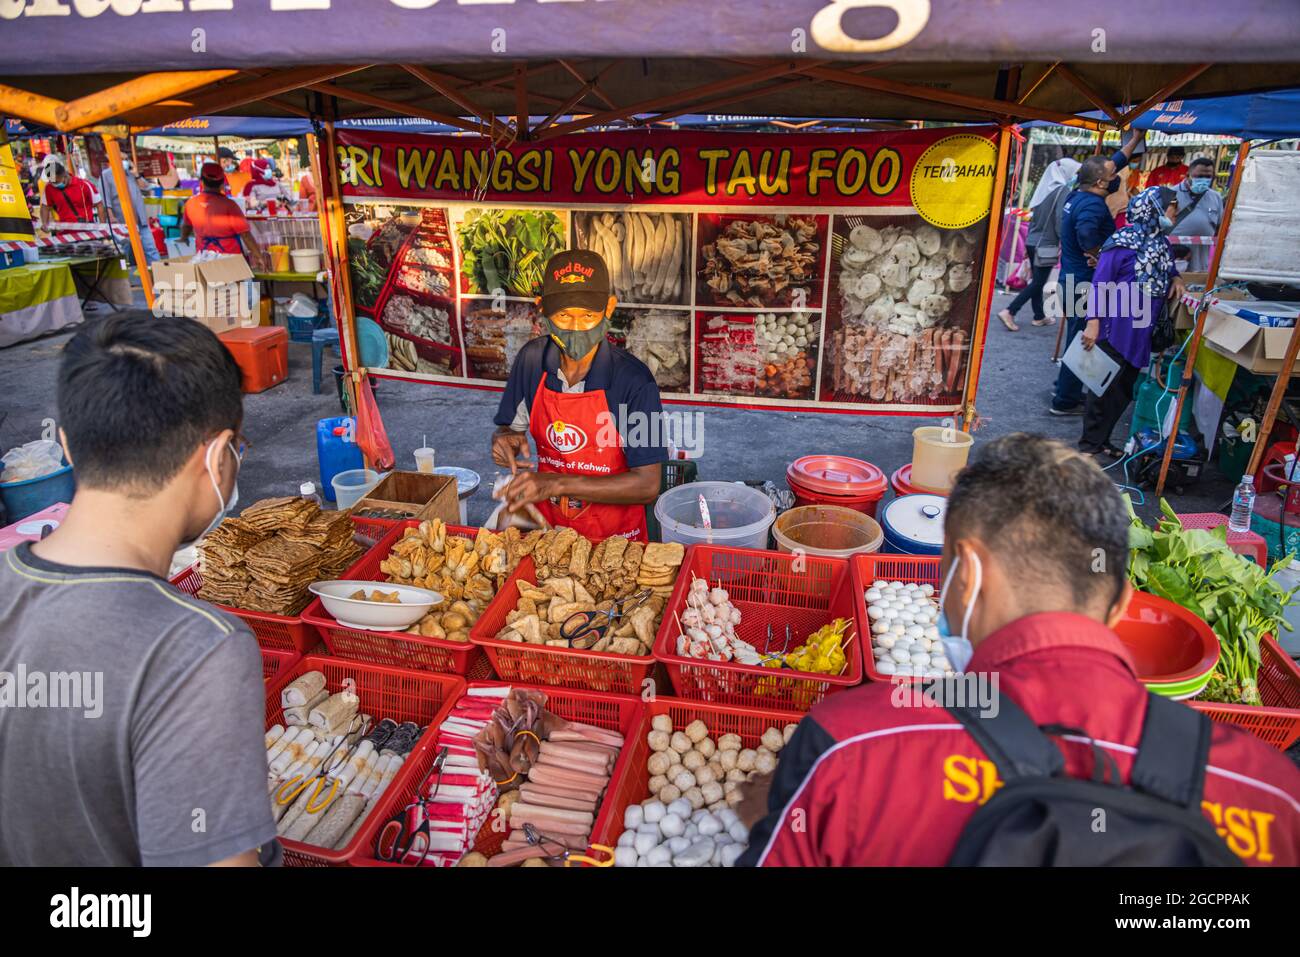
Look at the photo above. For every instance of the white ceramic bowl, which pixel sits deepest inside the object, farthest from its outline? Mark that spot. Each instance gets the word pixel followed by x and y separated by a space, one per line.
pixel 375 615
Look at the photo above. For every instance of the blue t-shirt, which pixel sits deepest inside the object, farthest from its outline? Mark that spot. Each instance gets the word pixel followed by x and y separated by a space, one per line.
pixel 630 390
pixel 1086 223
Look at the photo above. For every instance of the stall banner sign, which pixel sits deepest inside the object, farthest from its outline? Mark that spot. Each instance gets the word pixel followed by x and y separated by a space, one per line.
pixel 15 217
pixel 152 164
pixel 835 272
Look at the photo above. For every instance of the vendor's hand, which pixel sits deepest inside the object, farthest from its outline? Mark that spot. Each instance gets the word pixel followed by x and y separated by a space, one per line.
pixel 1090 333
pixel 1090 258
pixel 509 448
pixel 1177 288
pixel 529 487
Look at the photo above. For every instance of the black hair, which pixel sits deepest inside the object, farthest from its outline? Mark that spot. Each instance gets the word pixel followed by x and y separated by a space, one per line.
pixel 1175 151
pixel 1048 511
pixel 138 393
pixel 1200 161
pixel 1092 170
pixel 225 152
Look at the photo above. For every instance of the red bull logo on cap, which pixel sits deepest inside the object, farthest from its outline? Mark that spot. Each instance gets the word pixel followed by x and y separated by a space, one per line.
pixel 566 438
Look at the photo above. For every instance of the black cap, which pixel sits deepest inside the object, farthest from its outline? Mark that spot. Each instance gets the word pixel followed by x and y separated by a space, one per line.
pixel 575 277
pixel 225 152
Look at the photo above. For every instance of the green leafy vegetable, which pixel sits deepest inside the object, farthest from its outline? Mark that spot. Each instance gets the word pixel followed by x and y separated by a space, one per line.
pixel 507 249
pixel 367 274
pixel 1195 568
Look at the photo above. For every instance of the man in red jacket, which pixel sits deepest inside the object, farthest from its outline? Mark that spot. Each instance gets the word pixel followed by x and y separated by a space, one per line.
pixel 1039 581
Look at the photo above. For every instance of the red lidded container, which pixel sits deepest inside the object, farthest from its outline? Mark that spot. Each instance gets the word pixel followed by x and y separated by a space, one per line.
pixel 836 480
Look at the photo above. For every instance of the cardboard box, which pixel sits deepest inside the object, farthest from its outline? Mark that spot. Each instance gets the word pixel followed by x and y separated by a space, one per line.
pixel 1255 348
pixel 220 292
pixel 416 495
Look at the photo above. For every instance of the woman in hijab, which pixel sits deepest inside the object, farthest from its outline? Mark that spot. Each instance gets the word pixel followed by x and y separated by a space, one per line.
pixel 1135 275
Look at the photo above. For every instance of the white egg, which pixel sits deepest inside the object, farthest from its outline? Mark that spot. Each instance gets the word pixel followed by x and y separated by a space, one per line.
pixel 924 616
pixel 905 670
pixel 927 588
pixel 932 633
pixel 873 594
pixel 889 613
pixel 887 641
pixel 887 666
pixel 940 662
pixel 875 612
pixel 902 654
pixel 897 586
pixel 897 628
pixel 914 631
pixel 880 627
pixel 920 658
pixel 933 672
pixel 925 643
pixel 906 618
pixel 879 584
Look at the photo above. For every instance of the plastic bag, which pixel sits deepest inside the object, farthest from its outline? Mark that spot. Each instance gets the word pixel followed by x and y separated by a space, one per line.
pixel 303 306
pixel 526 518
pixel 371 434
pixel 33 460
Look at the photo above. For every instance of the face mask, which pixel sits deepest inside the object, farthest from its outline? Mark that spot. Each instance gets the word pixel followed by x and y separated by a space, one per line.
pixel 576 343
pixel 1198 186
pixel 958 648
pixel 224 507
pixel 1166 224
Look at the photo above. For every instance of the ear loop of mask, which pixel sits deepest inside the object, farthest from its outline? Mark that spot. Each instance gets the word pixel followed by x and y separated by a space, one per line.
pixel 222 507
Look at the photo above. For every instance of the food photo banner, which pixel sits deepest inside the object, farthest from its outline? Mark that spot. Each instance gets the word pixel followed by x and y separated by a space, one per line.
pixel 836 272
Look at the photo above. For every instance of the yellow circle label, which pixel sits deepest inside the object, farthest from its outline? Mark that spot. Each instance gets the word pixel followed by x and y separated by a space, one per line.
pixel 952 182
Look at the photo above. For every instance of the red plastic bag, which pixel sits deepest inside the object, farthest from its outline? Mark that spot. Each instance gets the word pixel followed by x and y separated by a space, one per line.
pixel 371 434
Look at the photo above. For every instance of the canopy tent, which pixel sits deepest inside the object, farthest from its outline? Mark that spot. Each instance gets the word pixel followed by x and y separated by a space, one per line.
pixel 1251 116
pixel 280 128
pixel 590 65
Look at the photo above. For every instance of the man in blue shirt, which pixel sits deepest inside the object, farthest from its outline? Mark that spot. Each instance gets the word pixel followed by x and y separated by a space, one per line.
pixel 1086 223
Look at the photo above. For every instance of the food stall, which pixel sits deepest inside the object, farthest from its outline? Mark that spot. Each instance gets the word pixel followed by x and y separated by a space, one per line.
pixel 737 254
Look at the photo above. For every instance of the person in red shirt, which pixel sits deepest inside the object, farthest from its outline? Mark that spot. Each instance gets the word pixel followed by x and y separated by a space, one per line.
pixel 1035 581
pixel 216 221
pixel 1172 173
pixel 65 198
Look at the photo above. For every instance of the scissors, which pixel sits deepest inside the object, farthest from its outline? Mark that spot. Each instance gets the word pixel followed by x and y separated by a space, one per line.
pixel 583 629
pixel 563 853
pixel 397 839
pixel 778 657
pixel 289 791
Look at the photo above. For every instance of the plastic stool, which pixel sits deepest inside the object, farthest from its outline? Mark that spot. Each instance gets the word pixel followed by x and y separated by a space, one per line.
pixel 1250 544
pixel 320 339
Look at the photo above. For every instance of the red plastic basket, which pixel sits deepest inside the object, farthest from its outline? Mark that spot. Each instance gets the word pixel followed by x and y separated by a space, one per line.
pixel 1277 721
pixel 369 531
pixel 865 569
pixel 271 631
pixel 632 786
pixel 396 648
pixel 545 665
pixel 275 660
pixel 770 588
pixel 622 713
pixel 421 696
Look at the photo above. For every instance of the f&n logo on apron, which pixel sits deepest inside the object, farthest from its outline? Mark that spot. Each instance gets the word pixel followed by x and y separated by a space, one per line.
pixel 565 437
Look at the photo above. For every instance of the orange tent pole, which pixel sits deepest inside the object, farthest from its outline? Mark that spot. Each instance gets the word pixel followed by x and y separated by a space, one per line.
pixel 979 332
pixel 133 94
pixel 128 216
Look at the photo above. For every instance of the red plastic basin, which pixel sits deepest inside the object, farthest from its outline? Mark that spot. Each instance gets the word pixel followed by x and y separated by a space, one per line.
pixel 1167 642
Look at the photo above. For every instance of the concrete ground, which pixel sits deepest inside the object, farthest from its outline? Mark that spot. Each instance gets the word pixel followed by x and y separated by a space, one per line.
pixel 280 424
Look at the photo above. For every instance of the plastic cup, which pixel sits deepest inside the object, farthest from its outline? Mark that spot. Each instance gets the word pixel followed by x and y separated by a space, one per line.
pixel 424 460
pixel 270 207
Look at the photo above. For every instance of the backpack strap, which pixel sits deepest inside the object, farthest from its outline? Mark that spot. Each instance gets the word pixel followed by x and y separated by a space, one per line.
pixel 1173 752
pixel 1015 745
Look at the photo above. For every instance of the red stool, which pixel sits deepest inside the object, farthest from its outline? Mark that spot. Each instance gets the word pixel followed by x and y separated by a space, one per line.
pixel 1250 544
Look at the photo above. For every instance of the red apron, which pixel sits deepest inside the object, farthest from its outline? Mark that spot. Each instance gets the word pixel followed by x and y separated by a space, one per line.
pixel 565 426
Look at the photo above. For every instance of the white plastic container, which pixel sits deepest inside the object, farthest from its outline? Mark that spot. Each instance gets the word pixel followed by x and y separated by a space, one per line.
pixel 305 260
pixel 740 515
pixel 353 485
pixel 1288 578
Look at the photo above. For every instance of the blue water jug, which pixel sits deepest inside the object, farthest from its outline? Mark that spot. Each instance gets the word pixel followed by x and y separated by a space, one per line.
pixel 336 450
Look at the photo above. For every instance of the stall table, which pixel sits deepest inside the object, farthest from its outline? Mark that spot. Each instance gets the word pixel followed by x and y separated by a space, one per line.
pixel 35 300
pixel 98 278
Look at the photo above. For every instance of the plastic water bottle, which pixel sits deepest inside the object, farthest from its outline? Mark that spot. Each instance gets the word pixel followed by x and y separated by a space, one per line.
pixel 308 491
pixel 1243 504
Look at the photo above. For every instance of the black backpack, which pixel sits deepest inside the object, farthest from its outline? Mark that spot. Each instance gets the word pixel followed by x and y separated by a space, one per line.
pixel 1041 817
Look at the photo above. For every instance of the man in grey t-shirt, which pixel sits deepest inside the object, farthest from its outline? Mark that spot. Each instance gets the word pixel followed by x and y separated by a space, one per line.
pixel 1200 210
pixel 131 715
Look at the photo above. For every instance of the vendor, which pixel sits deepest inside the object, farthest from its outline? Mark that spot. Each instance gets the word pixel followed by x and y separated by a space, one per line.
pixel 65 198
pixel 218 224
pixel 577 394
